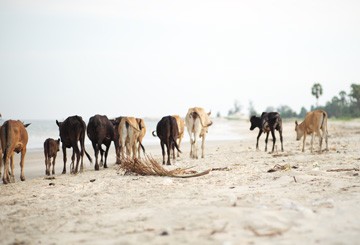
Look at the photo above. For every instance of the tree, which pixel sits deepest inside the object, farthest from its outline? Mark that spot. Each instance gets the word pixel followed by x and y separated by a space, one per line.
pixel 252 111
pixel 317 91
pixel 237 109
pixel 302 113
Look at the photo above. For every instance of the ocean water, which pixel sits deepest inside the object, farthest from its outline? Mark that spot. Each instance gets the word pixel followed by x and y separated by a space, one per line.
pixel 222 129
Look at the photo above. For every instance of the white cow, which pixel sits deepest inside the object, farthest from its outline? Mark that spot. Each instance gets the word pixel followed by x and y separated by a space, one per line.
pixel 128 132
pixel 197 122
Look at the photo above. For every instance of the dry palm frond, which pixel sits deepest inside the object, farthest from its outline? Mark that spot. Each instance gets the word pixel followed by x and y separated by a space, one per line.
pixel 150 166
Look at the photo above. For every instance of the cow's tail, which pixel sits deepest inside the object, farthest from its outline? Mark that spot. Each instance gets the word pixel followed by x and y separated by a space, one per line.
pixel 142 147
pixel 154 133
pixel 88 156
pixel 324 120
pixel 6 128
pixel 172 137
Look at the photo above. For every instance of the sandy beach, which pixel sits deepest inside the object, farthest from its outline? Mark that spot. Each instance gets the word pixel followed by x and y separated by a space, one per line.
pixel 306 203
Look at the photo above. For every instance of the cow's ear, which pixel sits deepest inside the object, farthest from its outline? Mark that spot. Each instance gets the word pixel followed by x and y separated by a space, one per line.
pixel 296 123
pixel 58 140
pixel 25 125
pixel 209 113
pixel 57 123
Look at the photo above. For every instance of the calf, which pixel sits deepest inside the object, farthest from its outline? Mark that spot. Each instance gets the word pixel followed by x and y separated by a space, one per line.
pixel 71 131
pixel 314 122
pixel 197 123
pixel 268 122
pixel 167 131
pixel 51 147
pixel 14 138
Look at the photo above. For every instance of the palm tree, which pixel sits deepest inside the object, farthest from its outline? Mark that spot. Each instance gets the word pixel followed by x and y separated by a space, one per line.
pixel 317 91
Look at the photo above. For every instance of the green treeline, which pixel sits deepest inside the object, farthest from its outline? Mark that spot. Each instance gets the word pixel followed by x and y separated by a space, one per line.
pixel 343 105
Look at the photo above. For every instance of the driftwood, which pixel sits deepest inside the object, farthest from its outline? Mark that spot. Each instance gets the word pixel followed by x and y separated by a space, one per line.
pixel 279 167
pixel 266 234
pixel 342 169
pixel 150 166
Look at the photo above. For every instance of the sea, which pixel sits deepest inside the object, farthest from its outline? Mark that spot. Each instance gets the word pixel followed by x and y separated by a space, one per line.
pixel 222 129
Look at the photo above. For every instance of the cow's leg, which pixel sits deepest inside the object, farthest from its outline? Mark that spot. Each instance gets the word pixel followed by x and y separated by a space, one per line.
pixel 12 173
pixel 22 162
pixel 326 139
pixel 168 149
pixel 320 140
pixel 163 151
pixel 257 139
pixel 72 165
pixel 178 153
pixel 281 140
pixel 303 148
pixel 96 151
pixel 64 159
pixel 101 155
pixel 203 147
pixel 106 154
pixel 77 152
pixel 6 178
pixel 189 129
pixel 312 142
pixel 274 139
pixel 47 170
pixel 53 165
pixel 266 140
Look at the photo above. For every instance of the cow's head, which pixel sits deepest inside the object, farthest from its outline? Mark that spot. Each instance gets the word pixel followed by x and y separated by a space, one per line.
pixel 299 131
pixel 253 122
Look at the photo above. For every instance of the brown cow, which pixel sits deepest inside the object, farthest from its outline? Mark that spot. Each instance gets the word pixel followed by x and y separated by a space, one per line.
pixel 71 131
pixel 313 123
pixel 51 147
pixel 181 127
pixel 14 138
pixel 197 123
pixel 128 131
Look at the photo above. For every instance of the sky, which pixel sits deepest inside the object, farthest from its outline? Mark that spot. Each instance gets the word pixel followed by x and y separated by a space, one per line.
pixel 148 58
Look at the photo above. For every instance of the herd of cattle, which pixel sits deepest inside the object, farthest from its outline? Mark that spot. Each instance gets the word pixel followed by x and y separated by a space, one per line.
pixel 127 134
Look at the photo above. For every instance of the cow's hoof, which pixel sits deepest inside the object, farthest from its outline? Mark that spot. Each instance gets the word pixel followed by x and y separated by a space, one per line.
pixel 22 178
pixel 96 167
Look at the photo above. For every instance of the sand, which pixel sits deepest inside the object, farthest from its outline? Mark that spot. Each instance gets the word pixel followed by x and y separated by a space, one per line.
pixel 307 204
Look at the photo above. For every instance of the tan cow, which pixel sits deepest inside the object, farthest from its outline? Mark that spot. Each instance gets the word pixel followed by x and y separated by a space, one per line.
pixel 313 123
pixel 14 138
pixel 181 126
pixel 197 122
pixel 142 127
pixel 128 130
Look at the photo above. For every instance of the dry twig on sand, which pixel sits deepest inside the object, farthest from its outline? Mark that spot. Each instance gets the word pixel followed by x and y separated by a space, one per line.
pixel 150 166
pixel 342 169
pixel 266 234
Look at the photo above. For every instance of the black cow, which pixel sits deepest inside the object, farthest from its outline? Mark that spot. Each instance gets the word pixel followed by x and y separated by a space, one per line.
pixel 101 132
pixel 71 131
pixel 167 130
pixel 268 122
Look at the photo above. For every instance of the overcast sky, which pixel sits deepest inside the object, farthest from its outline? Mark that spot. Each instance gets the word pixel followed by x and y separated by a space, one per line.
pixel 155 58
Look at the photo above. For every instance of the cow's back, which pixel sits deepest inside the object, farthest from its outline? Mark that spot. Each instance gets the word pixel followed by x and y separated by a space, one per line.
pixel 13 135
pixel 99 128
pixel 73 128
pixel 315 120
